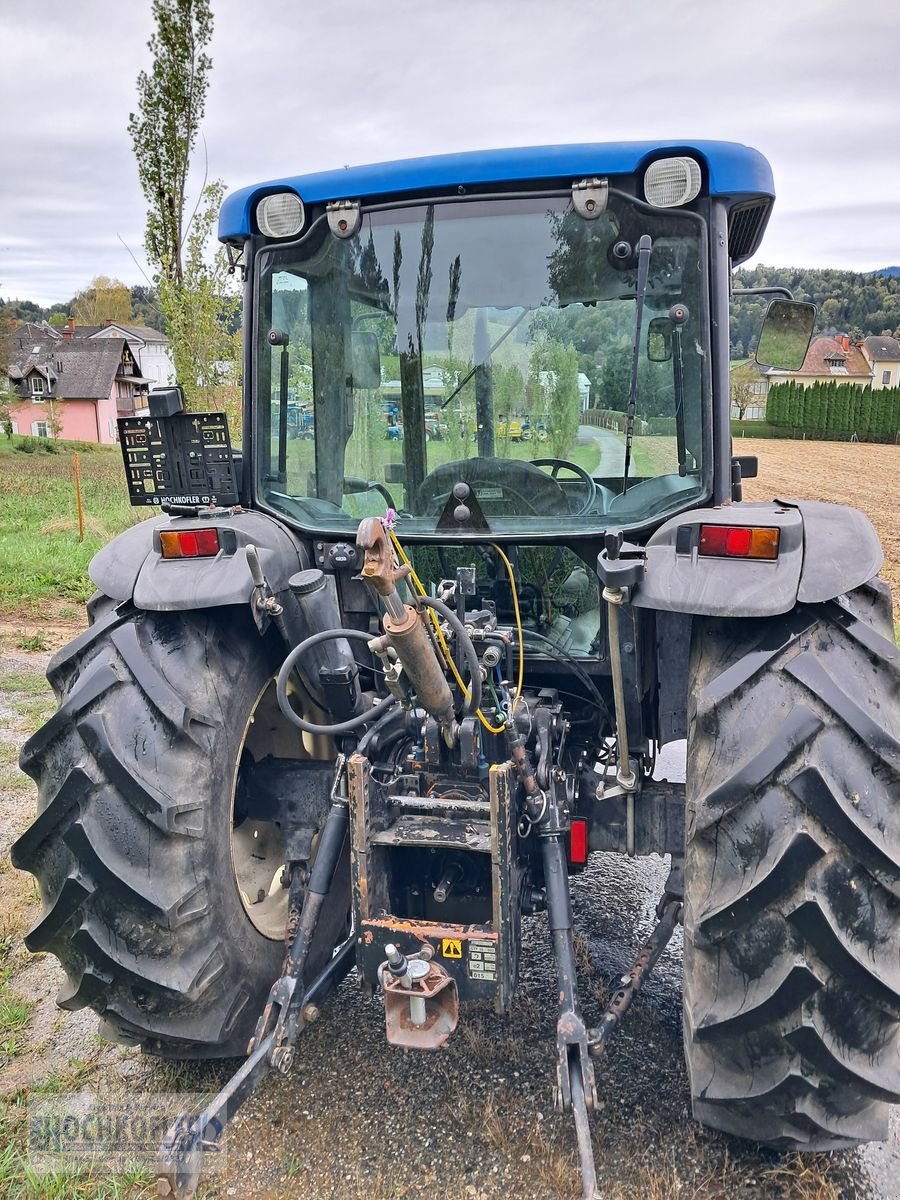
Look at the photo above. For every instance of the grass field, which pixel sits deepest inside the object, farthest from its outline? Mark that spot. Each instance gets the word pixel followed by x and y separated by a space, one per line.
pixel 41 558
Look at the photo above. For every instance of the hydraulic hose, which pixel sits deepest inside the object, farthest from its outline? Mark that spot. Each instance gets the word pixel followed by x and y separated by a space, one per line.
pixel 474 701
pixel 285 673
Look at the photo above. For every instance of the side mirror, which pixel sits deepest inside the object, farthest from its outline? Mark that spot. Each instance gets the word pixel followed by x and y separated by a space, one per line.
pixel 366 359
pixel 785 334
pixel 659 339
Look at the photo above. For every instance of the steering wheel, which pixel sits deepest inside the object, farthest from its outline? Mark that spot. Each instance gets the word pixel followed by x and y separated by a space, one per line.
pixel 557 464
pixel 533 490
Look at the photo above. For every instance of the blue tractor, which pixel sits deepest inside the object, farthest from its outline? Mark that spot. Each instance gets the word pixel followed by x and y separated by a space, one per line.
pixel 295 742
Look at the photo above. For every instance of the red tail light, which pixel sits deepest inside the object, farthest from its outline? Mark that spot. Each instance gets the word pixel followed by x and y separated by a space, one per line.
pixel 189 543
pixel 578 840
pixel 738 541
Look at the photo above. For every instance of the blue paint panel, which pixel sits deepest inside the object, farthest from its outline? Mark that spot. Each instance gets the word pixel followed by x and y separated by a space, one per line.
pixel 734 170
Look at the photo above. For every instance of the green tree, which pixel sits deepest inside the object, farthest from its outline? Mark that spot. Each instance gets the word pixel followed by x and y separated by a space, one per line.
pixel 200 312
pixel 563 402
pixel 615 377
pixel 743 377
pixel 171 102
pixel 57 320
pixel 9 400
pixel 840 407
pixel 196 298
pixel 104 299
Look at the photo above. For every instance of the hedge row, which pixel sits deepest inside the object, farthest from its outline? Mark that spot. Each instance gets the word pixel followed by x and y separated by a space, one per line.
pixel 612 418
pixel 665 427
pixel 835 408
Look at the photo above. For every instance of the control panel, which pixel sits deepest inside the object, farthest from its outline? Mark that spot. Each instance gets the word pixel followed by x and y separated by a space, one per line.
pixel 338 556
pixel 180 459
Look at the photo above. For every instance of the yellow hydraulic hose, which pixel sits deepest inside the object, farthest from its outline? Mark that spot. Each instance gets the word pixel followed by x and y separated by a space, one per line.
pixel 445 649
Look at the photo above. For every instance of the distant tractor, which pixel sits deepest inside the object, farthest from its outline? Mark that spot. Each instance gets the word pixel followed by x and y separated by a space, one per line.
pixel 294 742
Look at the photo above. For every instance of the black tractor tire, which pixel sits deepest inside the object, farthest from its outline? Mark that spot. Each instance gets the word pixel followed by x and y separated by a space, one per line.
pixel 132 848
pixel 792 874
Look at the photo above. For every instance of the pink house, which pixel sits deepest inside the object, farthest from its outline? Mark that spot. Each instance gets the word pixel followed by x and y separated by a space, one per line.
pixel 71 388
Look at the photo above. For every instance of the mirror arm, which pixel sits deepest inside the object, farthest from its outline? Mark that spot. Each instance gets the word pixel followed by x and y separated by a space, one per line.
pixel 764 291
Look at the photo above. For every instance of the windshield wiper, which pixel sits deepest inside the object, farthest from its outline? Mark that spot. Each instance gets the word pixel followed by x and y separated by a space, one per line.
pixel 487 358
pixel 645 246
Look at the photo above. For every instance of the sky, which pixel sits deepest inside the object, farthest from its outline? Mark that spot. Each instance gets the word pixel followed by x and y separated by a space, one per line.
pixel 298 87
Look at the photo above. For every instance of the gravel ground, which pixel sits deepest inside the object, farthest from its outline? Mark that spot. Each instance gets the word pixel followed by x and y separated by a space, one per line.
pixel 358 1118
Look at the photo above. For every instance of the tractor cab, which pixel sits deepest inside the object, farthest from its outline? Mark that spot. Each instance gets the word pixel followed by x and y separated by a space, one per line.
pixel 440 318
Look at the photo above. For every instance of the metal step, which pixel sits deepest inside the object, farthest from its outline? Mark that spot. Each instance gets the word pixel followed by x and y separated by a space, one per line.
pixel 443 832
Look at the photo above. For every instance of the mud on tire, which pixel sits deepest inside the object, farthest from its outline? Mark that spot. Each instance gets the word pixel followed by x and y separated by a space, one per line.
pixel 132 842
pixel 792 905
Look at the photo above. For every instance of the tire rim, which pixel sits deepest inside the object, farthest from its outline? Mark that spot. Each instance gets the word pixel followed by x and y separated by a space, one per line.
pixel 257 847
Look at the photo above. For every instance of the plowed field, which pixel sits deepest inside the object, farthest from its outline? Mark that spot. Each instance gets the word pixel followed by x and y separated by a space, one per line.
pixel 867 477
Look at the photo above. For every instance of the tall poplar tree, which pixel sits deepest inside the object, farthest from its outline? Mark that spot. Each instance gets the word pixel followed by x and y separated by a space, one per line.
pixel 194 294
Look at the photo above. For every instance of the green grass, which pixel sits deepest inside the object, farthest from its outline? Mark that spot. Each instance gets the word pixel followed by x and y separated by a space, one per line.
pixel 32 641
pixel 19 1180
pixel 24 683
pixel 14 1014
pixel 40 555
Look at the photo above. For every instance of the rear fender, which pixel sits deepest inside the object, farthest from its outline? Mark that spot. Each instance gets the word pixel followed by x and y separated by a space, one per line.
pixel 824 551
pixel 132 568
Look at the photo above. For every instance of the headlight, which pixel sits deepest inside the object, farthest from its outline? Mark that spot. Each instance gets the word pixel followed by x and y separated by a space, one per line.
pixel 280 215
pixel 672 181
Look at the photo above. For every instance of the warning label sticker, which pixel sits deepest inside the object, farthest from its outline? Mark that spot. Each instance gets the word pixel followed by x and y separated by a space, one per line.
pixel 482 960
pixel 451 948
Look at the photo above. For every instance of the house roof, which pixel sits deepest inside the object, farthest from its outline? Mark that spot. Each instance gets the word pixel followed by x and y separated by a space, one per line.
pixel 882 349
pixel 83 369
pixel 142 333
pixel 851 362
pixel 27 335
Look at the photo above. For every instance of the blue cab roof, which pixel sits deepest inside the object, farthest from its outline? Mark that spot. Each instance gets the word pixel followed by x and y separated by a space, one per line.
pixel 734 171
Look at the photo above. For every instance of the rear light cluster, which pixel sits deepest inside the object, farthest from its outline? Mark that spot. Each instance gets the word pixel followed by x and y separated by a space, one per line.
pixel 189 543
pixel 738 541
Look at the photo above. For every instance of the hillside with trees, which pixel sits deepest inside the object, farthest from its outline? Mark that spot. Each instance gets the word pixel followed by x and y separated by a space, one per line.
pixel 103 299
pixel 848 302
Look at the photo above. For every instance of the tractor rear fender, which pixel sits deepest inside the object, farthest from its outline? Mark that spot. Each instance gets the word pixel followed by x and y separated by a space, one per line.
pixel 132 568
pixel 824 550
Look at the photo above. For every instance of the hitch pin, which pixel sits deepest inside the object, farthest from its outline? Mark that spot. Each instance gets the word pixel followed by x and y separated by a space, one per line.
pixel 409 971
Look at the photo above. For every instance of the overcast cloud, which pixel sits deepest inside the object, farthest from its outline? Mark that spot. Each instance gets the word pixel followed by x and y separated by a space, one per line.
pixel 297 87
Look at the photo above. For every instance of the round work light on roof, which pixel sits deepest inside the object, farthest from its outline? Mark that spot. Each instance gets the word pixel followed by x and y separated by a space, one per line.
pixel 672 181
pixel 280 215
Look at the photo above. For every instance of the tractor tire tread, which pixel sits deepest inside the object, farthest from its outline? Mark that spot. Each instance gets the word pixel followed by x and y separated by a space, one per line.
pixel 792 912
pixel 132 885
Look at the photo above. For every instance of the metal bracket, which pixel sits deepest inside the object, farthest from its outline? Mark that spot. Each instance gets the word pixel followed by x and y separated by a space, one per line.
pixel 236 259
pixel 344 217
pixel 589 197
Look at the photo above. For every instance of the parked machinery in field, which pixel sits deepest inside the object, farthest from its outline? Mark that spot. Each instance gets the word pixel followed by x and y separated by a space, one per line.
pixel 361 701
